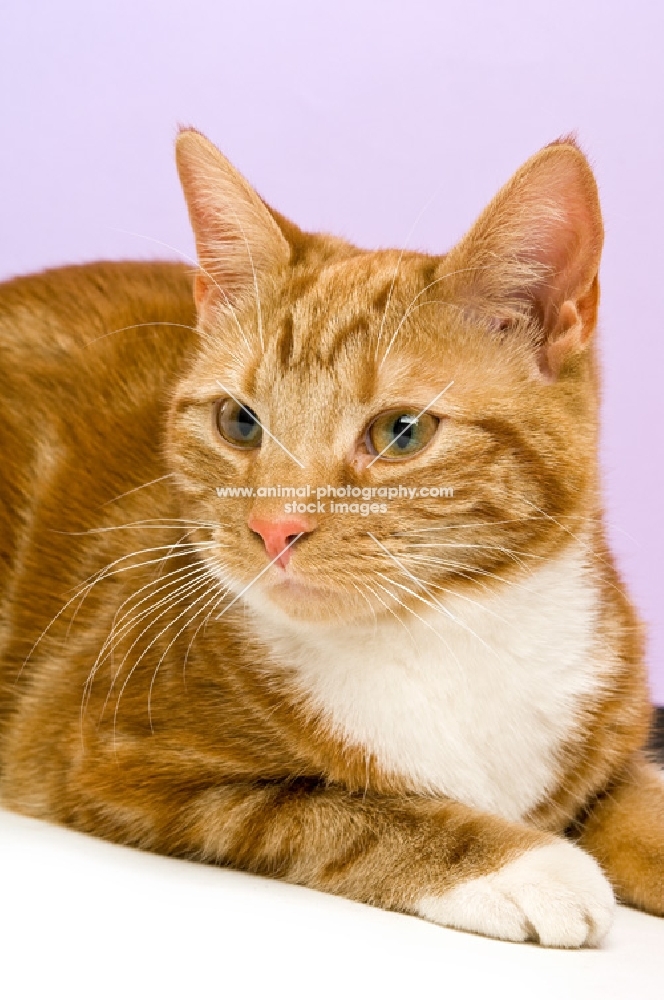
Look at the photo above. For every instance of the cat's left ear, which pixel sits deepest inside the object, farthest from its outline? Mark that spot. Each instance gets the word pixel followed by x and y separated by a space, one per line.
pixel 535 252
pixel 237 239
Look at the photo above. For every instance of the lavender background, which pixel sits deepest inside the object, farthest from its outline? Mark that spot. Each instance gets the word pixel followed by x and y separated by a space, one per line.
pixel 353 116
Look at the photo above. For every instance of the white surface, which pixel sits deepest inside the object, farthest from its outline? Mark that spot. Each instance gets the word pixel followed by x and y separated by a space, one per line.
pixel 80 918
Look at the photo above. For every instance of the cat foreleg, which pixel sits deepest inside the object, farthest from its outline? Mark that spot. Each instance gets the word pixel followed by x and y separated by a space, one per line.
pixel 434 858
pixel 624 831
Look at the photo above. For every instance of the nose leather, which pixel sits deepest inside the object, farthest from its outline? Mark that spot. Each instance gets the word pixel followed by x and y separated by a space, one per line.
pixel 277 533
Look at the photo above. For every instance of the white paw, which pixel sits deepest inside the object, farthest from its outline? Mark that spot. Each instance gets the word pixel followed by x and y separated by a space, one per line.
pixel 556 895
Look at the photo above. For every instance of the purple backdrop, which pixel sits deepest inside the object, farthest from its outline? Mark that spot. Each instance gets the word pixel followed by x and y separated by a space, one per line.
pixel 352 117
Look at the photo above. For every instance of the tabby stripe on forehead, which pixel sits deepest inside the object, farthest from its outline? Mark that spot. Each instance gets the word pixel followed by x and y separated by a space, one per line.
pixel 357 326
pixel 324 353
pixel 380 300
pixel 286 345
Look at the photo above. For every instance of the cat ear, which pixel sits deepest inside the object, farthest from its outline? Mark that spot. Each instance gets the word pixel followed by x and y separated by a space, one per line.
pixel 237 239
pixel 535 252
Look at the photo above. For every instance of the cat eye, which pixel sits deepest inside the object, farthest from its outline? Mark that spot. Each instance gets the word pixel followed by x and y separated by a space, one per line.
pixel 238 424
pixel 400 434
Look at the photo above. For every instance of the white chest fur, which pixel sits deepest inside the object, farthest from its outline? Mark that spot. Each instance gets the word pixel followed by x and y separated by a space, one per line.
pixel 474 707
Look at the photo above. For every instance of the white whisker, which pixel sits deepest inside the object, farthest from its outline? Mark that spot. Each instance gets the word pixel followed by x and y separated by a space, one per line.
pixel 438 604
pixel 214 586
pixel 115 635
pixel 95 578
pixel 259 314
pixel 409 309
pixel 143 486
pixel 389 609
pixel 215 592
pixel 152 522
pixel 201 626
pixel 139 326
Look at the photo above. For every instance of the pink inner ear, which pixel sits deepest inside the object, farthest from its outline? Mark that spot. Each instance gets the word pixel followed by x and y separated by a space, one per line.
pixel 536 247
pixel 561 230
pixel 209 290
pixel 202 288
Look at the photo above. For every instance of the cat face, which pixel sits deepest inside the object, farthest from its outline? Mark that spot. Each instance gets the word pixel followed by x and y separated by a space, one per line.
pixel 367 433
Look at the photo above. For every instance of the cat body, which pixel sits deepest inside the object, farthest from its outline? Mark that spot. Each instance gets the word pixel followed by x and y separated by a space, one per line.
pixel 436 706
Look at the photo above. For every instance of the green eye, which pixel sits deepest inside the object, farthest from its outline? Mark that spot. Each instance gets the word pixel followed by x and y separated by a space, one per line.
pixel 400 434
pixel 238 425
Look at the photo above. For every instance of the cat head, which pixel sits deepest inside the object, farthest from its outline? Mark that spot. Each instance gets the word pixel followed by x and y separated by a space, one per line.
pixel 367 432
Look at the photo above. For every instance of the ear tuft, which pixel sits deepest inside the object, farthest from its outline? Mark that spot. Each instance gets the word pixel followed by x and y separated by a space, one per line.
pixel 237 239
pixel 570 139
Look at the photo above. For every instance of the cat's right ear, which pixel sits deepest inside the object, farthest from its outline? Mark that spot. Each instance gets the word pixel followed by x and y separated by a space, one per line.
pixel 237 239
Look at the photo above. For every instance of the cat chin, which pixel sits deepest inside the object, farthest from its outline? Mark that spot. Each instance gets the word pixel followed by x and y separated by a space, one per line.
pixel 306 602
pixel 296 601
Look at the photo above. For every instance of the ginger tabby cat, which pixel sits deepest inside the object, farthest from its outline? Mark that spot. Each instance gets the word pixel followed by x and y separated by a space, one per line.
pixel 433 704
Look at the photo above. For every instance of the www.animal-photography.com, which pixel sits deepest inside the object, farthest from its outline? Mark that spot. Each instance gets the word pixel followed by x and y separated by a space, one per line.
pixel 331 632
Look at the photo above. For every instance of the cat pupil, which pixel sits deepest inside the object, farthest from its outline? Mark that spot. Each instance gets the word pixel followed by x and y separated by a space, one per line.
pixel 246 423
pixel 403 431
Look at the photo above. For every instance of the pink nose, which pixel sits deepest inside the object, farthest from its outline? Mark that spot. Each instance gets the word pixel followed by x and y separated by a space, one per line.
pixel 277 534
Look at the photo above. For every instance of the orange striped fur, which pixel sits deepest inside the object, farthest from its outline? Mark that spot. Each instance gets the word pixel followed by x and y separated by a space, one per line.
pixel 438 707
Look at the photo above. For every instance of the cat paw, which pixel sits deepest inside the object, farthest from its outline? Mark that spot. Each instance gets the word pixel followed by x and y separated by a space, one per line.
pixel 555 895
